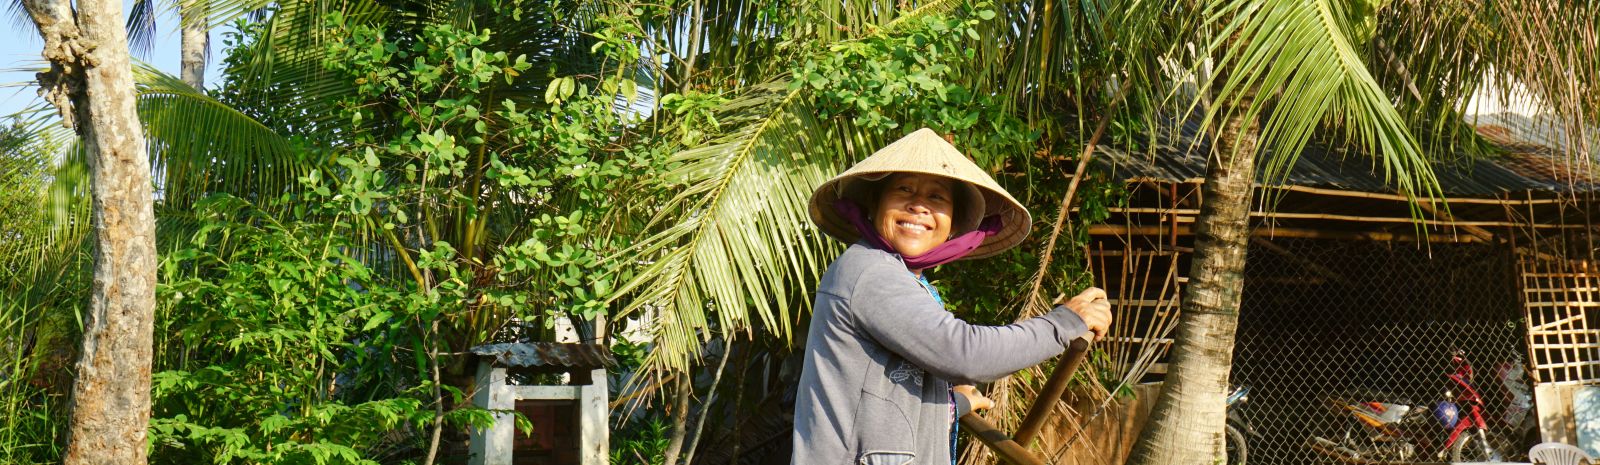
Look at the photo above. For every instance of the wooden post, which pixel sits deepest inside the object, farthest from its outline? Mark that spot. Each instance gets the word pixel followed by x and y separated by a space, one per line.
pixel 493 447
pixel 594 412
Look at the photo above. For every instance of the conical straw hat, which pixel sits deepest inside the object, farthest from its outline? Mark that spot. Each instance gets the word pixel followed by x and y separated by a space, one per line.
pixel 924 152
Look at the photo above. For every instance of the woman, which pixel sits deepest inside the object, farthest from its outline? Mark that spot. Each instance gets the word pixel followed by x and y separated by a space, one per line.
pixel 886 367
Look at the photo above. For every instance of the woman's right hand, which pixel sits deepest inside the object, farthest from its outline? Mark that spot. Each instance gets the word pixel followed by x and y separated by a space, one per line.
pixel 1091 306
pixel 974 398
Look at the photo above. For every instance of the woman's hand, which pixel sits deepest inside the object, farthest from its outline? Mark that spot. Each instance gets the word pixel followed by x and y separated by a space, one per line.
pixel 1090 305
pixel 974 398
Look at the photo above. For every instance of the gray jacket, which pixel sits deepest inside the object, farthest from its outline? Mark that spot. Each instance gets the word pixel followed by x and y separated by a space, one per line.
pixel 881 356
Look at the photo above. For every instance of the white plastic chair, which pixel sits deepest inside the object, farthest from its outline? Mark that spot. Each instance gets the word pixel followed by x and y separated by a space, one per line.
pixel 1555 453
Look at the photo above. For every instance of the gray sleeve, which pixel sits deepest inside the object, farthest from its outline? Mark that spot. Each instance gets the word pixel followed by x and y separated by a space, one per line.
pixel 901 316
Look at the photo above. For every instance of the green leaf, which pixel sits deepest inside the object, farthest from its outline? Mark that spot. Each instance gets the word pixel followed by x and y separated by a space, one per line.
pixel 376 319
pixel 567 86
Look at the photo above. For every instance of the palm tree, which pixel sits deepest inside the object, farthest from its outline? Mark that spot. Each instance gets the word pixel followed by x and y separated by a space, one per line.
pixel 1286 69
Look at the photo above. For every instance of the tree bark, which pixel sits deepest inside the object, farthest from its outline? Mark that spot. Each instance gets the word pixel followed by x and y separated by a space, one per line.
pixel 91 82
pixel 680 419
pixel 1187 423
pixel 193 43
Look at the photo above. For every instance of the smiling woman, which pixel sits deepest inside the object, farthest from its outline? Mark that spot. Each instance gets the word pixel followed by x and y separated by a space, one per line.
pixel 913 213
pixel 884 360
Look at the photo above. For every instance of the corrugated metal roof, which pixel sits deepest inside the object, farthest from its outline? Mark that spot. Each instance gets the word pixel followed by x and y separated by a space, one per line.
pixel 1525 165
pixel 547 354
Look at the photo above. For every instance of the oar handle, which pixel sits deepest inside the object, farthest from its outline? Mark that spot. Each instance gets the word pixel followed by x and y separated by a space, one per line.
pixel 998 441
pixel 1053 389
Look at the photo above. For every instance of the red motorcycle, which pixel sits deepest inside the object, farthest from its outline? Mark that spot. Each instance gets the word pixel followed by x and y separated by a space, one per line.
pixel 1396 432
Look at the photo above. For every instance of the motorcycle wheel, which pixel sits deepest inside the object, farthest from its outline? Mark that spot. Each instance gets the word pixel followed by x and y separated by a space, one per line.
pixel 1470 448
pixel 1235 446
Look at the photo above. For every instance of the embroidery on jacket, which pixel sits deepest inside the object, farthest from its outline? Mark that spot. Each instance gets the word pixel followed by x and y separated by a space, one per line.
pixel 906 371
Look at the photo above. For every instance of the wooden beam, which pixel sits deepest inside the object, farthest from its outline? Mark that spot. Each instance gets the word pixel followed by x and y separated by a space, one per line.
pixel 1119 230
pixel 1475 226
pixel 1470 229
pixel 1402 198
pixel 1375 195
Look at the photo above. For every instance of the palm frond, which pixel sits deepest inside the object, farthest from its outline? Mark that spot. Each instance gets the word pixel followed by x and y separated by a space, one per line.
pixel 1055 54
pixel 1431 58
pixel 217 12
pixel 142 27
pixel 737 244
pixel 284 67
pixel 200 146
pixel 1552 50
pixel 19 18
pixel 1294 62
pixel 54 236
pixel 832 21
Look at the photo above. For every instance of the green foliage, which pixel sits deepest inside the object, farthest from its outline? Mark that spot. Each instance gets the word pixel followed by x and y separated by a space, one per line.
pixel 513 188
pixel 33 411
pixel 642 441
pixel 914 76
pixel 451 202
pixel 36 329
pixel 268 333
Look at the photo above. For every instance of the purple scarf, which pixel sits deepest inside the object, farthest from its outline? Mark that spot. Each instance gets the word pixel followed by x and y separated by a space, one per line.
pixel 947 252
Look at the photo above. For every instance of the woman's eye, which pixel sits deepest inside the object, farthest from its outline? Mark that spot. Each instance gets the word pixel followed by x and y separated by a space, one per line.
pixel 905 188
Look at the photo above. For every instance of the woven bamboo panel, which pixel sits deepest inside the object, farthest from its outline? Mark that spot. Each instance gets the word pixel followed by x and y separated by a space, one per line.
pixel 1561 300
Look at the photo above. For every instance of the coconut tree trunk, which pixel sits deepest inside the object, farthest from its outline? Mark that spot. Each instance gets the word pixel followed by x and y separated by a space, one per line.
pixel 91 82
pixel 193 42
pixel 1187 423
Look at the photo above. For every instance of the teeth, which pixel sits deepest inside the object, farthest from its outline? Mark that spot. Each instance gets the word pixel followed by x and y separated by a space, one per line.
pixel 904 224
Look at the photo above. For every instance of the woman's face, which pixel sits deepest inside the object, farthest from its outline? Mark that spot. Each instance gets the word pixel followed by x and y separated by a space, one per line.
pixel 914 212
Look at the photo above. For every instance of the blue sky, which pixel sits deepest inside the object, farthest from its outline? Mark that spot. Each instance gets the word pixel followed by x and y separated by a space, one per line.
pixel 19 48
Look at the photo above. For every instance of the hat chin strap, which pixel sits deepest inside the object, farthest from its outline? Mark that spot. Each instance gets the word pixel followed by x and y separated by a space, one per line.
pixel 947 252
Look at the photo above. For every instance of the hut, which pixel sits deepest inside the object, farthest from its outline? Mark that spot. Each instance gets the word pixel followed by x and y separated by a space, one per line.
pixel 1346 294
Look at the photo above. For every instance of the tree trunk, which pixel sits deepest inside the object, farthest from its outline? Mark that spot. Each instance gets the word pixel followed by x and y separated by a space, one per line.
pixel 1188 420
pixel 91 82
pixel 680 419
pixel 193 43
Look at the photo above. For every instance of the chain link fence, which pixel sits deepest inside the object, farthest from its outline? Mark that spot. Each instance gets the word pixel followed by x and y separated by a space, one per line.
pixel 1365 321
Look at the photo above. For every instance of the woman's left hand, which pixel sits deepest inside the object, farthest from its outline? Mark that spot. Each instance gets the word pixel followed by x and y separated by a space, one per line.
pixel 974 398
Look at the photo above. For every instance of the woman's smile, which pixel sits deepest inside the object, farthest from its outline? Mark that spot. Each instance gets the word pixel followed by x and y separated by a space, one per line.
pixel 914 212
pixel 915 227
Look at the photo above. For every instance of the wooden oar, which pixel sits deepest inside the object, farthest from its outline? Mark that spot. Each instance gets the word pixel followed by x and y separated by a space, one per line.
pixel 1015 451
pixel 999 441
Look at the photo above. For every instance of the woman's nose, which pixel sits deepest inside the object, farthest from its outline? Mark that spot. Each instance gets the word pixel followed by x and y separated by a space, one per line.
pixel 918 205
